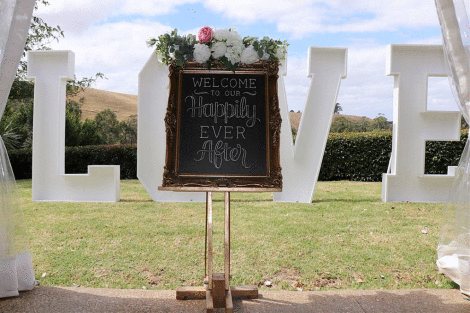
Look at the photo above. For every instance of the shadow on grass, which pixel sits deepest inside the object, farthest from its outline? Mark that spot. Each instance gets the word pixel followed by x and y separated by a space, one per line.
pixel 71 300
pixel 371 200
pixel 136 200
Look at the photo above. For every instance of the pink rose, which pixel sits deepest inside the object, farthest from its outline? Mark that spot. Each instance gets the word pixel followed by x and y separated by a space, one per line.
pixel 205 34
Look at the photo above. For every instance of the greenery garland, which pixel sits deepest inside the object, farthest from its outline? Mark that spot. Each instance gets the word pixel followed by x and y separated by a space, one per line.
pixel 216 46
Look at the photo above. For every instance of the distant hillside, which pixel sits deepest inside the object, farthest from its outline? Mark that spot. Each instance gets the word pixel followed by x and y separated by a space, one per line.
pixel 125 105
pixel 95 101
pixel 295 118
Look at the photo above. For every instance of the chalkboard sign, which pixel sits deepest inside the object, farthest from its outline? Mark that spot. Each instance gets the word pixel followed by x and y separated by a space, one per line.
pixel 223 127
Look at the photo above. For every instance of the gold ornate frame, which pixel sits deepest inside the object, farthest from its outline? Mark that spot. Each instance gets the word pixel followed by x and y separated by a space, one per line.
pixel 273 179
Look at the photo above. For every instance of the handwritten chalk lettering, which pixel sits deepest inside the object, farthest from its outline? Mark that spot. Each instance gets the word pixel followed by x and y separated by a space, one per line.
pixel 225 82
pixel 232 93
pixel 225 111
pixel 221 152
pixel 228 132
pixel 222 124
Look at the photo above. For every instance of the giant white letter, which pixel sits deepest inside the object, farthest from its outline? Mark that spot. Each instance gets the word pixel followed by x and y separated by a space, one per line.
pixel 413 125
pixel 51 70
pixel 151 137
pixel 301 162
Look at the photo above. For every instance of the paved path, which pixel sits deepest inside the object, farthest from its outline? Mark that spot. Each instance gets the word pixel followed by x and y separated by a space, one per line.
pixel 74 300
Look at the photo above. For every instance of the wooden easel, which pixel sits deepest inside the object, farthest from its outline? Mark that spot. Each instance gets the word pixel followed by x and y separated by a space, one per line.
pixel 217 292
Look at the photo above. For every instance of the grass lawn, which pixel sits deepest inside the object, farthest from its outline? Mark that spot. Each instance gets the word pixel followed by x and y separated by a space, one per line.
pixel 347 238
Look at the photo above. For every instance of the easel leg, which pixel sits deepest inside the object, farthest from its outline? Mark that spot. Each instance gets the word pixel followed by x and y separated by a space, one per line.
pixel 218 293
pixel 228 294
pixel 227 240
pixel 209 239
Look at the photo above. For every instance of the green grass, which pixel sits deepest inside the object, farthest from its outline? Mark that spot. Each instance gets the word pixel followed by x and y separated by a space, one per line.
pixel 347 238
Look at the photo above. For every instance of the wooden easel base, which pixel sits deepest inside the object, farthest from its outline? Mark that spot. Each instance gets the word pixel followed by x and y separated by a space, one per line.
pixel 201 293
pixel 218 293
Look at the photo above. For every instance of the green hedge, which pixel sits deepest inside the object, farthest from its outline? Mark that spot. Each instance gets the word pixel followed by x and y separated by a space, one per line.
pixel 77 160
pixel 356 156
pixel 348 156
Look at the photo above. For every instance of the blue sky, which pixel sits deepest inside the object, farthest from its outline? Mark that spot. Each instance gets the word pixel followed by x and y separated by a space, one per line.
pixel 109 36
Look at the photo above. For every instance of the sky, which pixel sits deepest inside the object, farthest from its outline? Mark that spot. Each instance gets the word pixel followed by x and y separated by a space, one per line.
pixel 109 36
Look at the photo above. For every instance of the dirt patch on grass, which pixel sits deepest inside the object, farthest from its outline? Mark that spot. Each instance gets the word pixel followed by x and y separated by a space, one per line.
pixel 288 277
pixel 152 278
pixel 327 280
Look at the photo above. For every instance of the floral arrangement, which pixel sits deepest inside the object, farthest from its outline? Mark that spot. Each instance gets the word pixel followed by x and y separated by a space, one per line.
pixel 212 46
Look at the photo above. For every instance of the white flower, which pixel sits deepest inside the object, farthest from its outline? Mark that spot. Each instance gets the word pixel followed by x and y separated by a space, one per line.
pixel 226 34
pixel 202 53
pixel 218 49
pixel 221 34
pixel 249 55
pixel 234 50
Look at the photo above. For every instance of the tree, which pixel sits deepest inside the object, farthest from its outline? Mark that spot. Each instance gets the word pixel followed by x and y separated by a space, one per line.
pixel 129 131
pixel 108 126
pixel 16 126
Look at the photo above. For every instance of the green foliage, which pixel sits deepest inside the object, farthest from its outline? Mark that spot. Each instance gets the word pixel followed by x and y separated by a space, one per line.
pixel 17 120
pixel 365 156
pixel 16 126
pixel 356 156
pixel 21 162
pixel 173 47
pixel 342 124
pixel 77 132
pixel 348 156
pixel 178 50
pixel 21 89
pixel 440 154
pixel 77 159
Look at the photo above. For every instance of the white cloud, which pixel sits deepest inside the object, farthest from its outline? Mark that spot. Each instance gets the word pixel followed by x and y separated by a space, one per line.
pixel 118 49
pixel 365 91
pixel 109 36
pixel 302 17
pixel 297 17
pixel 76 16
pixel 151 8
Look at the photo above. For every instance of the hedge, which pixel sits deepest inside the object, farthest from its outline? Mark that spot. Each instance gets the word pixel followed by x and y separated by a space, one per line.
pixel 348 156
pixel 77 160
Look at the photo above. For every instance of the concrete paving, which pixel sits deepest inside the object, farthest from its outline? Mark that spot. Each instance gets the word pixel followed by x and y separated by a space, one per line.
pixel 79 300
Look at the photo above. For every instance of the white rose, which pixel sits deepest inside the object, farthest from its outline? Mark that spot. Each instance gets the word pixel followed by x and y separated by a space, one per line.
pixel 202 53
pixel 226 34
pixel 249 55
pixel 221 34
pixel 234 36
pixel 218 49
pixel 265 56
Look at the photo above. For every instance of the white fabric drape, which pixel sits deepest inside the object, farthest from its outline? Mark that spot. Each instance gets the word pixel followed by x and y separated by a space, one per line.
pixel 16 270
pixel 454 245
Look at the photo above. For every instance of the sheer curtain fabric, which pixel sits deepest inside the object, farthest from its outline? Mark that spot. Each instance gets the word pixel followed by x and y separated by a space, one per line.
pixel 16 270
